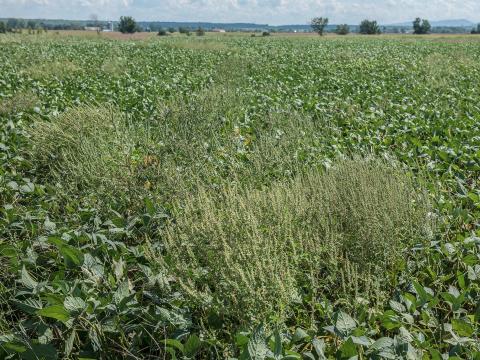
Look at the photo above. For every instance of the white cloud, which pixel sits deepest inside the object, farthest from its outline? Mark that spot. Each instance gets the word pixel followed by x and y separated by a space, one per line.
pixel 261 11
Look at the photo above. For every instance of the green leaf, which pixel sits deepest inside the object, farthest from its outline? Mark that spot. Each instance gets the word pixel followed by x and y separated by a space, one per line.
pixel 257 348
pixel 360 340
pixel 149 206
pixel 424 296
pixel 382 343
pixel 175 344
pixel 390 320
pixel 69 343
pixel 383 347
pixel 348 349
pixel 192 346
pixel 122 292
pixel 74 304
pixel 27 280
pixel 40 351
pixel 57 312
pixel 299 335
pixel 241 339
pixel 462 328
pixel 30 306
pixel 71 255
pixel 476 317
pixel 14 346
pixel 344 323
pixel 277 348
pixel 435 354
pixel 398 307
pixel 319 346
pixel 49 225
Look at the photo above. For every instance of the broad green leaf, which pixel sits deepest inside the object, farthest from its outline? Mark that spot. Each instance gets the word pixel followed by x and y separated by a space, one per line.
pixel 57 312
pixel 462 327
pixel 299 335
pixel 72 256
pixel 175 344
pixel 192 346
pixel 319 346
pixel 14 346
pixel 348 349
pixel 27 279
pixel 74 304
pixel 257 348
pixel 344 323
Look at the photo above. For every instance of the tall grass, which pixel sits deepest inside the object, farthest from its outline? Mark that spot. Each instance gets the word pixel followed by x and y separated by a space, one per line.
pixel 20 102
pixel 93 153
pixel 247 253
pixel 96 154
pixel 59 69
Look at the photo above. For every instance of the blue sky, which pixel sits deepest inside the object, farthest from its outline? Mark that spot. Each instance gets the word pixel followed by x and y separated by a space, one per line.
pixel 259 11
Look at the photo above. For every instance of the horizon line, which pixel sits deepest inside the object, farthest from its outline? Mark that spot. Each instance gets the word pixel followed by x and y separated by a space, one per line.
pixel 400 23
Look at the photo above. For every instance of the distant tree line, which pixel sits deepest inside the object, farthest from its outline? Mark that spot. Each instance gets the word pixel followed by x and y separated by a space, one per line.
pixel 319 25
pixel 371 27
pixel 367 27
pixel 17 25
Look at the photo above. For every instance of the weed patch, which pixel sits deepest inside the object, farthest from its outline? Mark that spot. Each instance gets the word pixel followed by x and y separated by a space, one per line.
pixel 247 253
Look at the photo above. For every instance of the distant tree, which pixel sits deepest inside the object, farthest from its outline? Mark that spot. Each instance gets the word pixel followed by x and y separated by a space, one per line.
pixel 12 25
pixel 31 24
pixel 266 33
pixel 171 30
pixel 127 25
pixel 477 30
pixel 200 32
pixel 426 26
pixel 3 27
pixel 20 24
pixel 421 26
pixel 318 24
pixel 162 32
pixel 343 29
pixel 184 30
pixel 368 27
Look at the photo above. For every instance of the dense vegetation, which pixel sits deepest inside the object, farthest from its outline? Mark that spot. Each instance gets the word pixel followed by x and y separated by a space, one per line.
pixel 253 198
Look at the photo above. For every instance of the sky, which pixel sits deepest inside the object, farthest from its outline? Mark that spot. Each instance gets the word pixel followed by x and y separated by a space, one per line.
pixel 273 12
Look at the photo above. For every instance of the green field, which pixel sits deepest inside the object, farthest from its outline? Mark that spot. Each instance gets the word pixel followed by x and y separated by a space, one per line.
pixel 282 197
